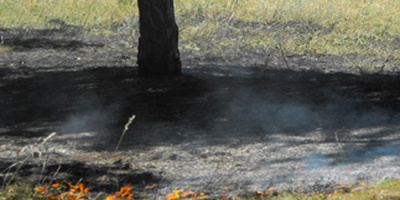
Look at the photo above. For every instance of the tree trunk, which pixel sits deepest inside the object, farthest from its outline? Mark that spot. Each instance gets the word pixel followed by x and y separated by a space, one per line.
pixel 158 42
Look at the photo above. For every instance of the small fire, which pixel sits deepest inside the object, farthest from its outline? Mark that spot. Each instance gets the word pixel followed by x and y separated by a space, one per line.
pixel 235 197
pixel 69 191
pixel 43 191
pixel 349 186
pixel 177 194
pixel 124 193
pixel 261 194
pixel 57 191
pixel 256 196
pixel 56 185
pixel 187 193
pixel 174 195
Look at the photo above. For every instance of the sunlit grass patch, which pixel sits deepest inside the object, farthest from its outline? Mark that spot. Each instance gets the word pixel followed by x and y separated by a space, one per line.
pixel 338 27
pixel 4 48
pixel 87 13
pixel 384 189
pixel 16 191
pixel 303 27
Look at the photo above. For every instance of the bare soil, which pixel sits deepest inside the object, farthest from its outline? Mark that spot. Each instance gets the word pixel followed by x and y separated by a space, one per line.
pixel 244 121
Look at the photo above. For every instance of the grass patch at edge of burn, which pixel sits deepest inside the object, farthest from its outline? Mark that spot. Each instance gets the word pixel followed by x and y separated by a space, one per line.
pixel 17 191
pixel 4 48
pixel 339 27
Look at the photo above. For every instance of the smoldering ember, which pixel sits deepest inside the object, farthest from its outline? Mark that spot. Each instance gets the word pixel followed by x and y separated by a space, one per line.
pixel 232 121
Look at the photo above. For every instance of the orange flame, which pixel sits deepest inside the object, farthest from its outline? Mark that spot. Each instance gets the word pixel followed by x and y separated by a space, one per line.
pixel 261 193
pixel 124 192
pixel 174 195
pixel 349 186
pixel 150 187
pixel 72 194
pixel 235 197
pixel 56 185
pixel 270 190
pixel 187 193
pixel 198 195
pixel 43 191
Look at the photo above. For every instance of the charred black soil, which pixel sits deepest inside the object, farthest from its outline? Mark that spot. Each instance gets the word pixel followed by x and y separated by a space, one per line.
pixel 243 121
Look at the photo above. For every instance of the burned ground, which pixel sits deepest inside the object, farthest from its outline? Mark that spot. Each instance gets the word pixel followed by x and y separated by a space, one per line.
pixel 245 121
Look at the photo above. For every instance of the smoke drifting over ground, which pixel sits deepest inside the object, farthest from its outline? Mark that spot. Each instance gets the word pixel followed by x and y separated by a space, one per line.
pixel 248 128
pixel 251 129
pixel 288 103
pixel 287 113
pixel 90 115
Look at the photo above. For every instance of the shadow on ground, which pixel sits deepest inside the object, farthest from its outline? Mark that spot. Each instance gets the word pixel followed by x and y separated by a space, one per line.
pixel 210 105
pixel 261 123
pixel 215 102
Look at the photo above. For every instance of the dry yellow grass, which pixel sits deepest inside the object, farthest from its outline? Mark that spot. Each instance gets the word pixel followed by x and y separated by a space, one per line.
pixel 364 27
pixel 88 13
pixel 355 16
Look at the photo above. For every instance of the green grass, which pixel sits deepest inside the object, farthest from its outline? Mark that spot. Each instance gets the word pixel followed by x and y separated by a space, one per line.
pixel 17 191
pixel 4 48
pixel 92 14
pixel 367 28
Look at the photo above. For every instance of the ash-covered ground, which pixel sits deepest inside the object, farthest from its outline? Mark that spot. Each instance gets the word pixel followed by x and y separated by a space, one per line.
pixel 242 121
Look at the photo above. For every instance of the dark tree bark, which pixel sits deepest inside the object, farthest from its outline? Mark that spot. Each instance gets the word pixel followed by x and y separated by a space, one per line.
pixel 158 42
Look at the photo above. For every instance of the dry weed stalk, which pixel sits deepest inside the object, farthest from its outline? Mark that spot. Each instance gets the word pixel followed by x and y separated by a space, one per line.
pixel 32 149
pixel 283 55
pixel 338 143
pixel 123 132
